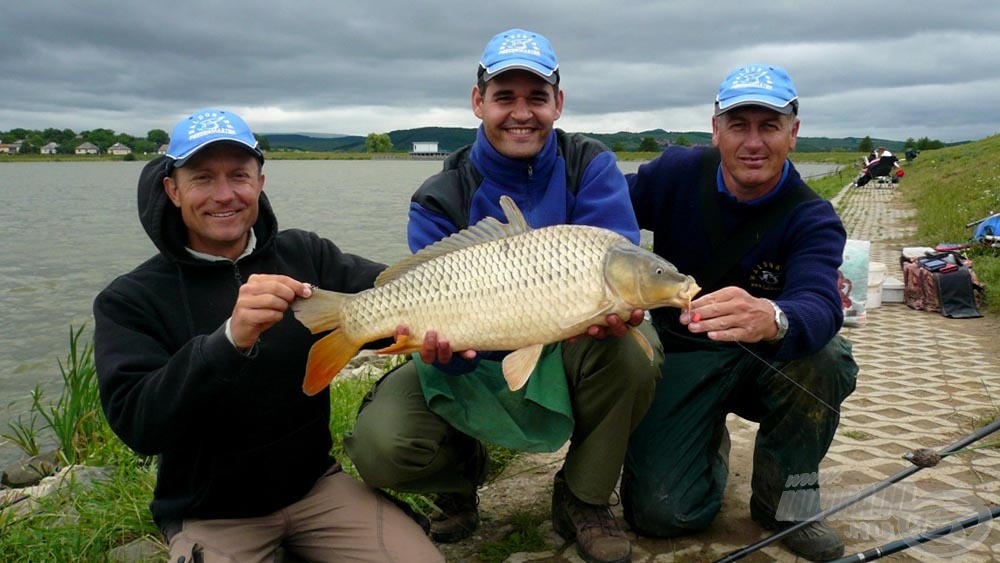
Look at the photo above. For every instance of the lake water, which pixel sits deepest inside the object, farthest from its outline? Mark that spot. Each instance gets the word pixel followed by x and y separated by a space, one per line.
pixel 69 228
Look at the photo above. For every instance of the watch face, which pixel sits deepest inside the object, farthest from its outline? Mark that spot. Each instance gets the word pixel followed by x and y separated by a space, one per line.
pixel 782 324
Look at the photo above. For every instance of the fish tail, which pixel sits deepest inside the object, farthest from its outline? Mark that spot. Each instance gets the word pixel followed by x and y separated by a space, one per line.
pixel 323 310
pixel 327 357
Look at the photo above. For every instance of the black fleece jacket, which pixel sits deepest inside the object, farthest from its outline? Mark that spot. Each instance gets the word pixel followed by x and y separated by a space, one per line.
pixel 235 435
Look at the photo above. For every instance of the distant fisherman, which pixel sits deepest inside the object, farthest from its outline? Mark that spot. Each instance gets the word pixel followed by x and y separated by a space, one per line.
pixel 200 363
pixel 421 429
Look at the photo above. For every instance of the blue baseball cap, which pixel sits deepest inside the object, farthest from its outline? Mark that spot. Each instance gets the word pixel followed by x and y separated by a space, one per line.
pixel 519 49
pixel 758 85
pixel 206 127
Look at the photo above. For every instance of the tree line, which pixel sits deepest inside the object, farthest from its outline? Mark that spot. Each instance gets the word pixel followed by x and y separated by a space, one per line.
pixel 33 140
pixel 866 145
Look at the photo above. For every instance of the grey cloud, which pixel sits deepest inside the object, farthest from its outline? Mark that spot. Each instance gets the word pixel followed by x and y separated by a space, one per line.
pixel 132 66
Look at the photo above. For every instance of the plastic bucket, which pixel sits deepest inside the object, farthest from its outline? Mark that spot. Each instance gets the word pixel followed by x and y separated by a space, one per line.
pixel 876 275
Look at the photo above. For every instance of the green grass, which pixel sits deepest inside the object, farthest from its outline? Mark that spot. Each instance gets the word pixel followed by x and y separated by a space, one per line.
pixel 525 535
pixel 951 187
pixel 82 523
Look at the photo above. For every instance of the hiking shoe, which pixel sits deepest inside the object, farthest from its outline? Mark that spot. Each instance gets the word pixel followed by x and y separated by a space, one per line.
pixel 455 518
pixel 816 541
pixel 598 537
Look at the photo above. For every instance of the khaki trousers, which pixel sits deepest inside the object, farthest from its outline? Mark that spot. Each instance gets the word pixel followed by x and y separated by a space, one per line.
pixel 399 443
pixel 340 519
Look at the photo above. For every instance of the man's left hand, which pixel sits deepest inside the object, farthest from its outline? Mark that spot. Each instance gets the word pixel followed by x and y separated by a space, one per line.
pixel 434 348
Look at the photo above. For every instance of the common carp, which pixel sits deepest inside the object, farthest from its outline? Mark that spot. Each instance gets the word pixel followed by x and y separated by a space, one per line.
pixel 495 286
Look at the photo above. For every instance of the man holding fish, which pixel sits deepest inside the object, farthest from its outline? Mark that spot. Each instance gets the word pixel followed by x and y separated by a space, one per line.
pixel 421 428
pixel 761 341
pixel 200 363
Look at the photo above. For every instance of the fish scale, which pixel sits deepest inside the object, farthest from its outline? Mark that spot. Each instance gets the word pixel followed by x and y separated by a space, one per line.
pixel 526 281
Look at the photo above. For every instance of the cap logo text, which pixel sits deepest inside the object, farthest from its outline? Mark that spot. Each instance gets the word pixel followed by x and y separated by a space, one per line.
pixel 519 44
pixel 209 124
pixel 753 77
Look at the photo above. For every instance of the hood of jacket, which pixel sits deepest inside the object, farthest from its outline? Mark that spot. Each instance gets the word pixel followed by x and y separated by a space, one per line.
pixel 162 221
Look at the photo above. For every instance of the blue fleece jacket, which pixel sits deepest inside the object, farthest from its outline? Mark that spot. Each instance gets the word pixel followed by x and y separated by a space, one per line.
pixel 538 186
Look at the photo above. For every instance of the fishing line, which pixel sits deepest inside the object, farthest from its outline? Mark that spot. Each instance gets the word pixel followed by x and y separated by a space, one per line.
pixel 790 380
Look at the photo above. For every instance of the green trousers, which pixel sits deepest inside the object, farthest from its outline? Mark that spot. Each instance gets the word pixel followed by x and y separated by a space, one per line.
pixel 398 443
pixel 678 459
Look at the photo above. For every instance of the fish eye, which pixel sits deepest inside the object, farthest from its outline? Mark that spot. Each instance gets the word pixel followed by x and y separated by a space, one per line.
pixel 659 271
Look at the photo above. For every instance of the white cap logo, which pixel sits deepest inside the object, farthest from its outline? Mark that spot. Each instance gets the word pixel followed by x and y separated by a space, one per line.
pixel 208 124
pixel 753 77
pixel 519 44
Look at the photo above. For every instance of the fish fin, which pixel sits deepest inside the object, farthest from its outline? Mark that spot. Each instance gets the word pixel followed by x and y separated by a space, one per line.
pixel 404 344
pixel 643 342
pixel 487 230
pixel 513 213
pixel 327 357
pixel 518 365
pixel 323 310
pixel 590 317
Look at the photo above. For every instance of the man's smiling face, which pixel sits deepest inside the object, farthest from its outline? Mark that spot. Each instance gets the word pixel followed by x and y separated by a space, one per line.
pixel 518 110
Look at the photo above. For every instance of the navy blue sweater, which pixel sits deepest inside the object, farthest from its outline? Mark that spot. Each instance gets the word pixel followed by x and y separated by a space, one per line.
pixel 794 263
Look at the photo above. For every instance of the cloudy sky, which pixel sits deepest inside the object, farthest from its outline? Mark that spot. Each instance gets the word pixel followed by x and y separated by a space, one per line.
pixel 886 69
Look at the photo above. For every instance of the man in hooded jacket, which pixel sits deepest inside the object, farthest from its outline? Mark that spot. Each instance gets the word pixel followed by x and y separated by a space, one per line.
pixel 200 363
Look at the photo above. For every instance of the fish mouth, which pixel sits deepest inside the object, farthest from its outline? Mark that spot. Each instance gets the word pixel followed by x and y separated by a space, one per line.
pixel 687 293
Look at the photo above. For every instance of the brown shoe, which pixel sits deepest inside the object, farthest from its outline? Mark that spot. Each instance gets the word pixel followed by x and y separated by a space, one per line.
pixel 598 537
pixel 456 517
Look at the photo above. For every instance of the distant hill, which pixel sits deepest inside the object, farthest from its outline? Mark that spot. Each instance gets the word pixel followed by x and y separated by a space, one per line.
pixel 452 138
pixel 308 143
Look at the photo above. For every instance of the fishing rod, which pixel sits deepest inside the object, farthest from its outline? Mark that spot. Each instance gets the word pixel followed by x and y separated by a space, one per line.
pixel 920 461
pixel 923 537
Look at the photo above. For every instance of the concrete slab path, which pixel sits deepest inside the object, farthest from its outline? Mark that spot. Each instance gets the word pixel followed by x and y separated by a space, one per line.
pixel 925 381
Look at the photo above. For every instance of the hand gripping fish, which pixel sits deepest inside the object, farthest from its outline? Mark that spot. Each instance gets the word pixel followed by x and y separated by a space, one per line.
pixel 495 286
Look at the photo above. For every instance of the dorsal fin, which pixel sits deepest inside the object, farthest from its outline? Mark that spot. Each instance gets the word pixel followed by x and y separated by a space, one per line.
pixel 486 230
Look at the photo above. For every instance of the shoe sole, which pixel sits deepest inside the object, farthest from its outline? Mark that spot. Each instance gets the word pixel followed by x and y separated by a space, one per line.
pixel 567 531
pixel 833 553
pixel 453 536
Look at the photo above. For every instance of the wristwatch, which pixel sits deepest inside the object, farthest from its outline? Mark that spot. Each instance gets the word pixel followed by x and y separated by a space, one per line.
pixel 780 320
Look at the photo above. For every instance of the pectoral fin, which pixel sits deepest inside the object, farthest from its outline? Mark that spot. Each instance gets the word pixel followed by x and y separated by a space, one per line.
pixel 602 309
pixel 404 344
pixel 518 365
pixel 643 342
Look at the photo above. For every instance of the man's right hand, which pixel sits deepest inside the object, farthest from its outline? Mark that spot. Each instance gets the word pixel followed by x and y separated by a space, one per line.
pixel 261 303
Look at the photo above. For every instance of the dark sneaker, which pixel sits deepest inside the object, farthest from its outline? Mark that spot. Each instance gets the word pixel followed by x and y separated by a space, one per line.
pixel 456 517
pixel 598 537
pixel 816 541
